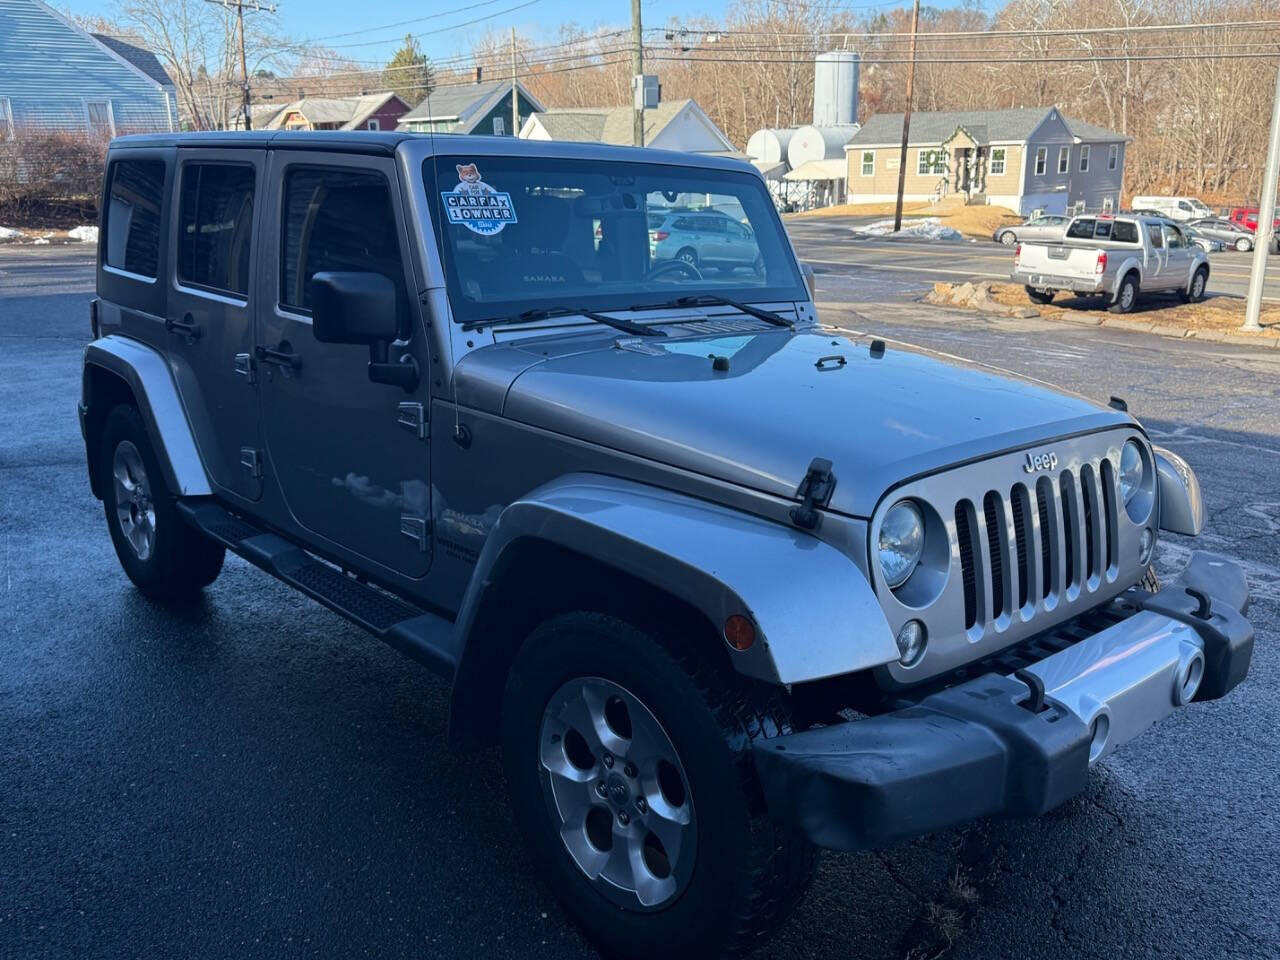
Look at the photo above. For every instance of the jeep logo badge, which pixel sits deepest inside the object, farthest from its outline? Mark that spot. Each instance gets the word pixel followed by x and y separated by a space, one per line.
pixel 1040 461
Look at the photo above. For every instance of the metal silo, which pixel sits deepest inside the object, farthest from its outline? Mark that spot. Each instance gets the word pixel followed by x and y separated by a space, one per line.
pixel 770 145
pixel 835 89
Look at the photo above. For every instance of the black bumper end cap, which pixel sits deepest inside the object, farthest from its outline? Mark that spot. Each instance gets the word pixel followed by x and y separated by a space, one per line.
pixel 966 752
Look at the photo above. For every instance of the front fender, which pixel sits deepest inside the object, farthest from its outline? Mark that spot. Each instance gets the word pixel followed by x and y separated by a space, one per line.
pixel 815 614
pixel 145 372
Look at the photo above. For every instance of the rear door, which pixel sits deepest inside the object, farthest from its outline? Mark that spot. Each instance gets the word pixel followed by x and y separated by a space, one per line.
pixel 1180 253
pixel 1156 276
pixel 351 456
pixel 210 308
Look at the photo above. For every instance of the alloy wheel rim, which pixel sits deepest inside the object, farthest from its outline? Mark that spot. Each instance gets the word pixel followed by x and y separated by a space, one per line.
pixel 1126 296
pixel 135 508
pixel 617 790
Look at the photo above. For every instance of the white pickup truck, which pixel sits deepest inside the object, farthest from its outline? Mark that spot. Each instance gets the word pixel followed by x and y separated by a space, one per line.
pixel 1117 257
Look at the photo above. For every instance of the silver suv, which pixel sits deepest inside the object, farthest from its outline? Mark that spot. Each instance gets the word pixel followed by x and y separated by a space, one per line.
pixel 704 239
pixel 724 585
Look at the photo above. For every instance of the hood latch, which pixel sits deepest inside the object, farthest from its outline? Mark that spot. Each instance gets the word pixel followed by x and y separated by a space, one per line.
pixel 815 491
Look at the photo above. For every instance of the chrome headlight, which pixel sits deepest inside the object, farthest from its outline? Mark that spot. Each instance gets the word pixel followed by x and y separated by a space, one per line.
pixel 901 542
pixel 1133 470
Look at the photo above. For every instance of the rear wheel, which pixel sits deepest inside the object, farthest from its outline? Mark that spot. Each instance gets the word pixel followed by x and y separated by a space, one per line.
pixel 688 255
pixel 1040 296
pixel 631 778
pixel 1195 292
pixel 1126 296
pixel 165 558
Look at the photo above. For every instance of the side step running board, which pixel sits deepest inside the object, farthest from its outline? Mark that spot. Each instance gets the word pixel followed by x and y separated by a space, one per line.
pixel 426 637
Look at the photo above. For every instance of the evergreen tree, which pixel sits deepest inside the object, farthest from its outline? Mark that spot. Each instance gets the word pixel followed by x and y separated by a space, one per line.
pixel 409 73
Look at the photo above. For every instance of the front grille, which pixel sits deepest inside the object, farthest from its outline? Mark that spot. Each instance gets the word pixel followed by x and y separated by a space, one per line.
pixel 1038 542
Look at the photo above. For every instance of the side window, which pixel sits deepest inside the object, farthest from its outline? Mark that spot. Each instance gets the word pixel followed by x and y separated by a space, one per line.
pixel 998 155
pixel 1081 229
pixel 215 226
pixel 133 216
pixel 1154 235
pixel 1042 160
pixel 687 224
pixel 1173 237
pixel 1113 156
pixel 1064 159
pixel 1125 231
pixel 711 224
pixel 339 220
pixel 868 162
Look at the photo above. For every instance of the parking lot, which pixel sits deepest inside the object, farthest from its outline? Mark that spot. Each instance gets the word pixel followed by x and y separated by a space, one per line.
pixel 258 778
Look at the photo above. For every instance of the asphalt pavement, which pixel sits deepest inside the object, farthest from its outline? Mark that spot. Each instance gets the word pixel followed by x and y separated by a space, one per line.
pixel 257 778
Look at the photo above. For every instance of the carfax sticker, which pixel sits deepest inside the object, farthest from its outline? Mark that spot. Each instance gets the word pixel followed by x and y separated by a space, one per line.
pixel 476 205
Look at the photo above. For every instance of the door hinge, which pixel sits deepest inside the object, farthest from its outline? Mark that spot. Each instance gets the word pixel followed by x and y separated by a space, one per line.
pixel 244 367
pixel 415 528
pixel 411 416
pixel 251 460
pixel 814 492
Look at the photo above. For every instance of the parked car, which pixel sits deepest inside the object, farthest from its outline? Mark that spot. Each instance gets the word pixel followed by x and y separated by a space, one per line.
pixel 724 585
pixel 1206 243
pixel 1247 217
pixel 1118 257
pixel 1219 228
pixel 703 239
pixel 1047 227
pixel 1175 208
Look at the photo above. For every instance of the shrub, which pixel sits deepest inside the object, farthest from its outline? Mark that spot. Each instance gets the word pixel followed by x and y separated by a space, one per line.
pixel 50 180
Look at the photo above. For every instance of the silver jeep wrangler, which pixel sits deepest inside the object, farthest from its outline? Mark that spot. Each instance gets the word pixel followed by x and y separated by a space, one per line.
pixel 725 586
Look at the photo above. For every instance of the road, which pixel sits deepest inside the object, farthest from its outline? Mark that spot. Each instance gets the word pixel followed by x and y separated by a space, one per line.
pixel 912 265
pixel 257 778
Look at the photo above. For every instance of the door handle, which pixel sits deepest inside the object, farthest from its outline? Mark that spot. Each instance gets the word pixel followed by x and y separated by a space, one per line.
pixel 280 357
pixel 186 327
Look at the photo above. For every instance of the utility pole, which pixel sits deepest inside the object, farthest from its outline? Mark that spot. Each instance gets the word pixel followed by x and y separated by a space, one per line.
pixel 1266 230
pixel 515 95
pixel 239 6
pixel 906 117
pixel 637 70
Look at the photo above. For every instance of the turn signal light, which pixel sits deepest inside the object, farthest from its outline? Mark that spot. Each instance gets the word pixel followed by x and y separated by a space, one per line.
pixel 739 632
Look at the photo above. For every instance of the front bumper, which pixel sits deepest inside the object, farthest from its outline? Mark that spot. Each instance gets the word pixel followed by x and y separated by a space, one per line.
pixel 1049 281
pixel 1017 744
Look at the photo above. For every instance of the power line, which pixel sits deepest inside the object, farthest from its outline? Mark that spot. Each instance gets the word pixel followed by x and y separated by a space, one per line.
pixel 1045 32
pixel 438 30
pixel 402 23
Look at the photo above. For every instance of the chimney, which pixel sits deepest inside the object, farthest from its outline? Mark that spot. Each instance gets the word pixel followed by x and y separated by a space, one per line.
pixel 478 72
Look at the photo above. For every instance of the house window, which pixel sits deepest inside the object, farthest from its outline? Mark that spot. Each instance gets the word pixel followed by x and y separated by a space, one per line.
pixel 6 119
pixel 499 127
pixel 1113 156
pixel 133 217
pixel 1084 159
pixel 1042 160
pixel 97 115
pixel 997 161
pixel 215 226
pixel 373 125
pixel 1064 159
pixel 931 162
pixel 1108 204
pixel 868 162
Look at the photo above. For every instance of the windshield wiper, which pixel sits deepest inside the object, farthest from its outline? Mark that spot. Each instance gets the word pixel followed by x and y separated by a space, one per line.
pixel 546 313
pixel 715 300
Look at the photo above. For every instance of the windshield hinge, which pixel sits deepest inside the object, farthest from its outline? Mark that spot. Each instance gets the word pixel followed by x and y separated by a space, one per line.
pixel 814 492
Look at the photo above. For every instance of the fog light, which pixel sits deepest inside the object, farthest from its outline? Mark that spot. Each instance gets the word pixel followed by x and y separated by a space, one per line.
pixel 911 643
pixel 1145 546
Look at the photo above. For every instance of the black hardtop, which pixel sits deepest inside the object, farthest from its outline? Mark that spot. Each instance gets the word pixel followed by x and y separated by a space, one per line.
pixel 341 141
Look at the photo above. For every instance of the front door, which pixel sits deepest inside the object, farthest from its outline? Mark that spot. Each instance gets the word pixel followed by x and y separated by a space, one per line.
pixel 350 456
pixel 211 302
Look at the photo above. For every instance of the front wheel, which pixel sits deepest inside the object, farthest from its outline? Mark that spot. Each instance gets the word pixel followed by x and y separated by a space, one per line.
pixel 1008 238
pixel 1244 245
pixel 165 558
pixel 631 778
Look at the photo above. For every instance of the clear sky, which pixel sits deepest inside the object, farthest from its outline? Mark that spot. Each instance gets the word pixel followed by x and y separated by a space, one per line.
pixel 442 25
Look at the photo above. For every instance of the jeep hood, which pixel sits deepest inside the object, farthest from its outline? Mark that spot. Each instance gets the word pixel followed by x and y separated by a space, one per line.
pixel 879 418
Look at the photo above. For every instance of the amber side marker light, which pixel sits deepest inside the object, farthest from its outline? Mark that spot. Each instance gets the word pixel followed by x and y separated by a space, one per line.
pixel 739 632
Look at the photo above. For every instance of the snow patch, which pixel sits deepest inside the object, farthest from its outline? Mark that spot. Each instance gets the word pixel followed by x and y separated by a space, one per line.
pixel 8 233
pixel 84 234
pixel 40 241
pixel 928 228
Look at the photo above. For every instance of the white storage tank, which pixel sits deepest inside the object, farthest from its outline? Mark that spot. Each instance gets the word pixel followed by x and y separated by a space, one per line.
pixel 835 89
pixel 818 143
pixel 770 145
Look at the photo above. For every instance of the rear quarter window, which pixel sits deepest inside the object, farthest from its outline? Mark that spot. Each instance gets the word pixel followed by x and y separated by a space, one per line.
pixel 134 199
pixel 1125 231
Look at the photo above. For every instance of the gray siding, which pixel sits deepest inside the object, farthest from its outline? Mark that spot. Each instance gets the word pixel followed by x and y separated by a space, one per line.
pixel 1059 192
pixel 49 69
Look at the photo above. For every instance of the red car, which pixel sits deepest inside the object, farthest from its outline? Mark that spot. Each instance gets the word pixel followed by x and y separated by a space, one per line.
pixel 1248 217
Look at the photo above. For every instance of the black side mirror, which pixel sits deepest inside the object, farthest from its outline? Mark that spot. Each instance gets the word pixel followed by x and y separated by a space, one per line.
pixel 362 308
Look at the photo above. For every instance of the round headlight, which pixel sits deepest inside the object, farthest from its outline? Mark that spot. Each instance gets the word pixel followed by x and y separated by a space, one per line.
pixel 901 542
pixel 1132 470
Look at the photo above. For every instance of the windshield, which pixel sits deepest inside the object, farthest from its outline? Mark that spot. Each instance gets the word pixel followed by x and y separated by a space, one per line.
pixel 525 233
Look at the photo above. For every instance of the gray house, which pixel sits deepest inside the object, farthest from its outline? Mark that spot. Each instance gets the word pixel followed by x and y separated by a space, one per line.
pixel 480 107
pixel 56 77
pixel 1025 158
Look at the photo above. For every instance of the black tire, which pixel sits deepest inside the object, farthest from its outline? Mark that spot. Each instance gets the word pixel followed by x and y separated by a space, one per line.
pixel 1195 292
pixel 687 255
pixel 1149 582
pixel 1040 296
pixel 1008 238
pixel 1244 244
pixel 747 872
pixel 1127 296
pixel 175 561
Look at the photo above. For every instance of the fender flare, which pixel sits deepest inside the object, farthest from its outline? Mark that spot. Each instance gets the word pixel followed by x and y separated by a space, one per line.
pixel 800 592
pixel 1181 505
pixel 1130 265
pixel 145 372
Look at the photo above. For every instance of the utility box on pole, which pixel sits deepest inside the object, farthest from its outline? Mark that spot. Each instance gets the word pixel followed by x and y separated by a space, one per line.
pixel 646 92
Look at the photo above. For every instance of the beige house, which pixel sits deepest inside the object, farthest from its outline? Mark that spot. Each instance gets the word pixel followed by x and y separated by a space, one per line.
pixel 1026 159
